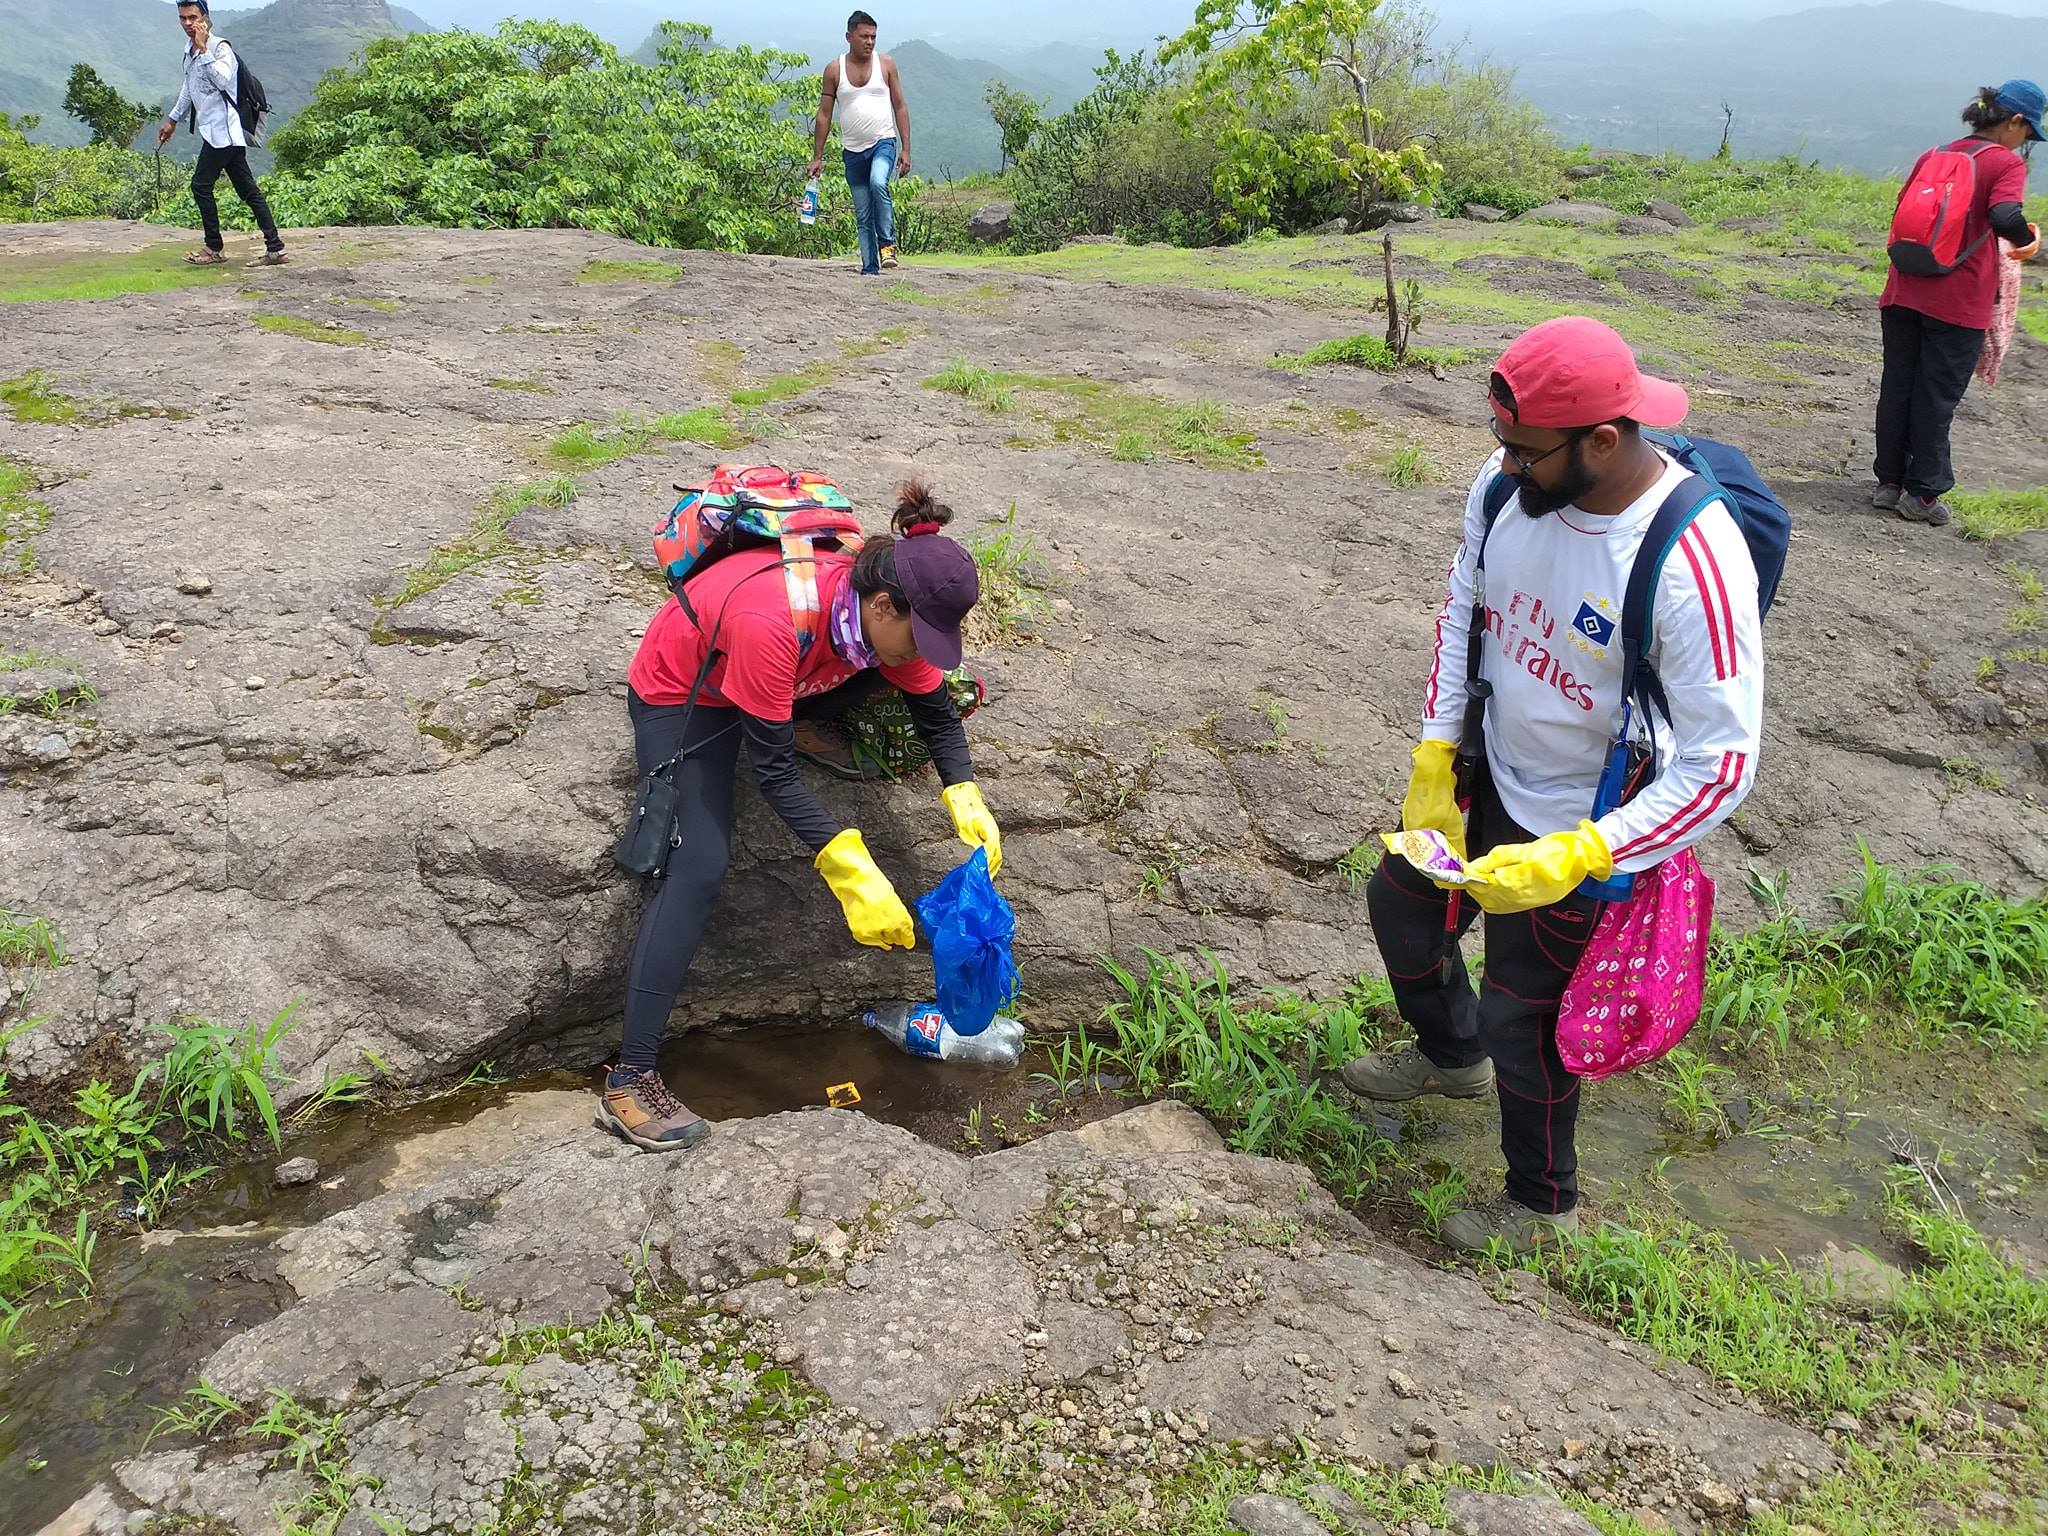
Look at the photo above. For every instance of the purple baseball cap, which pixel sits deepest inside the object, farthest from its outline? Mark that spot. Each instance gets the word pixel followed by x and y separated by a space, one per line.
pixel 938 576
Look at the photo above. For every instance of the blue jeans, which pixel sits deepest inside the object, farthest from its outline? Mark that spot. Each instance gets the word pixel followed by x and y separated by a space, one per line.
pixel 867 178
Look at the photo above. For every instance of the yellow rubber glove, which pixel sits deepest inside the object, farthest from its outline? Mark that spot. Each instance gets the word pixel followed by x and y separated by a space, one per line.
pixel 876 915
pixel 1432 800
pixel 1520 876
pixel 971 819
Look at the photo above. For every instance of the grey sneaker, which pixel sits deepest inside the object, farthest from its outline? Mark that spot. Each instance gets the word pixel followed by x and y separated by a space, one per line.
pixel 1506 1220
pixel 1405 1073
pixel 1915 510
pixel 1886 497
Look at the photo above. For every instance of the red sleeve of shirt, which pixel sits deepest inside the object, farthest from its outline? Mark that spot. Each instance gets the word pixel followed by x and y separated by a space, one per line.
pixel 915 677
pixel 2008 178
pixel 758 673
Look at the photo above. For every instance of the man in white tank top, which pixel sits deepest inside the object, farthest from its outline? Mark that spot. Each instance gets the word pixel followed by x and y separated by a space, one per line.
pixel 864 92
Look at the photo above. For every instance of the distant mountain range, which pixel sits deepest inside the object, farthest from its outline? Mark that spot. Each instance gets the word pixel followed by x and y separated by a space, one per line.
pixel 1866 87
pixel 135 45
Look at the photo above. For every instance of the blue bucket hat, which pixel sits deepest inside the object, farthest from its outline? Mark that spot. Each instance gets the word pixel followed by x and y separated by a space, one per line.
pixel 2026 99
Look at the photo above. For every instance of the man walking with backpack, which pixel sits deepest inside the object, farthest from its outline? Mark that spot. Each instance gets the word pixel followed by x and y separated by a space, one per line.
pixel 212 96
pixel 1938 300
pixel 1578 500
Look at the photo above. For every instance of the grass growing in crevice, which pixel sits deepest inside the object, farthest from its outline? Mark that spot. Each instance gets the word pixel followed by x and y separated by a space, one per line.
pixel 485 538
pixel 1118 420
pixel 981 299
pixel 606 271
pixel 2030 615
pixel 22 515
pixel 1920 955
pixel 34 397
pixel 383 306
pixel 26 940
pixel 590 446
pixel 520 386
pixel 1011 570
pixel 1997 514
pixel 325 331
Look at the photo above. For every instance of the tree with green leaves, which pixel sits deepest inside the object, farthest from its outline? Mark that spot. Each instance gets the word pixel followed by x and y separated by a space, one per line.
pixel 1258 67
pixel 545 125
pixel 112 118
pixel 1016 117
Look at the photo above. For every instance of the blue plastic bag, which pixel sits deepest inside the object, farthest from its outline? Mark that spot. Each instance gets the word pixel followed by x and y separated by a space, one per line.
pixel 971 929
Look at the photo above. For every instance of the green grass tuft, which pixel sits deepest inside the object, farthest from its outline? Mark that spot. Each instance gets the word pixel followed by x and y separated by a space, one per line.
pixel 1919 954
pixel 22 516
pixel 1996 514
pixel 590 446
pixel 603 271
pixel 971 381
pixel 521 386
pixel 1132 448
pixel 29 940
pixel 311 330
pixel 28 279
pixel 1010 567
pixel 1409 466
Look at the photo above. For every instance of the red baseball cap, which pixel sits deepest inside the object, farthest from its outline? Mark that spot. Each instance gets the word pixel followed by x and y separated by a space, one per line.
pixel 1575 372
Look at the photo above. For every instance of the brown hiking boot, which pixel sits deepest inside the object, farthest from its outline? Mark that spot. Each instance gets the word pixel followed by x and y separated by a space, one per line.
pixel 1405 1073
pixel 640 1109
pixel 828 746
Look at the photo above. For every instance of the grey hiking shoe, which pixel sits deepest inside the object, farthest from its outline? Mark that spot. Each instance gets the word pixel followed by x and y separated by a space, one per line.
pixel 1405 1073
pixel 1506 1220
pixel 1914 510
pixel 639 1108
pixel 1886 497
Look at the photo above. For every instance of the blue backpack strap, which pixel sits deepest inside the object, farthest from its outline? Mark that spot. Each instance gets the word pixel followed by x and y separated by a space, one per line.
pixel 1688 499
pixel 1499 492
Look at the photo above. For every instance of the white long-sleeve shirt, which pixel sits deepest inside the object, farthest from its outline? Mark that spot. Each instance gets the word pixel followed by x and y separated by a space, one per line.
pixel 212 82
pixel 1553 653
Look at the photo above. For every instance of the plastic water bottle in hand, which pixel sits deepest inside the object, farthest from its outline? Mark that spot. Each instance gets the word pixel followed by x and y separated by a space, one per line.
pixel 920 1029
pixel 809 215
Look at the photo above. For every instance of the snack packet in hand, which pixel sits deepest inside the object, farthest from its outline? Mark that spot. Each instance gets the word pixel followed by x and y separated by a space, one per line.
pixel 1429 851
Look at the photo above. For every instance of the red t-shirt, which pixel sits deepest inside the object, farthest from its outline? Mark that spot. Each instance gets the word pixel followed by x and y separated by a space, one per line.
pixel 744 601
pixel 1964 297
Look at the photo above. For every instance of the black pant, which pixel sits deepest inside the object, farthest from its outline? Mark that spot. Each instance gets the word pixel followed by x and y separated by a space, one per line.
pixel 683 899
pixel 1530 956
pixel 1927 367
pixel 235 161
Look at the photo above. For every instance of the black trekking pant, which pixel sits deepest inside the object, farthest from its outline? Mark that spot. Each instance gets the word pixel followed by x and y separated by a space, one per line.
pixel 1530 956
pixel 235 161
pixel 1927 368
pixel 684 897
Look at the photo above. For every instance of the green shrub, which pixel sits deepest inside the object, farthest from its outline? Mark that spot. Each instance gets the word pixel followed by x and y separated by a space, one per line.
pixel 47 181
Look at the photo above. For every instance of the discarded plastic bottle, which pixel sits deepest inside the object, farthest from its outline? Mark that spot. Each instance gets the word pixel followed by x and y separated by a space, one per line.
pixel 920 1029
pixel 810 208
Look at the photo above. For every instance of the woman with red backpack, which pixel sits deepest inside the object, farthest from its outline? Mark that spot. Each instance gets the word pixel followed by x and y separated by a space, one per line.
pixel 889 615
pixel 1938 300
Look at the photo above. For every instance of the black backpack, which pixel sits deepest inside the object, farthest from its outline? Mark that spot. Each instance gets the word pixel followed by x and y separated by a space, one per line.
pixel 251 103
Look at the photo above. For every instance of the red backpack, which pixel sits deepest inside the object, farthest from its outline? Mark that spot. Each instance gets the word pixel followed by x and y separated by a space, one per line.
pixel 1927 226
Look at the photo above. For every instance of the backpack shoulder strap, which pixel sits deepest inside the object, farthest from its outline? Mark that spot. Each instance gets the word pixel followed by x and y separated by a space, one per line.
pixel 1499 492
pixel 1687 500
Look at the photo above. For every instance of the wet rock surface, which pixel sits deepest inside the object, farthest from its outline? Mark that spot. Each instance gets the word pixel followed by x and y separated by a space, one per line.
pixel 1126 1300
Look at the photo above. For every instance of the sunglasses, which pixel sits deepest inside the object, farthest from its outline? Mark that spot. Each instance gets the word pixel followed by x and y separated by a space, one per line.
pixel 1523 459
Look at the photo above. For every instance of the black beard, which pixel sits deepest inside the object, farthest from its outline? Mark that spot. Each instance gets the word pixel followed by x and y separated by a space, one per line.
pixel 1538 502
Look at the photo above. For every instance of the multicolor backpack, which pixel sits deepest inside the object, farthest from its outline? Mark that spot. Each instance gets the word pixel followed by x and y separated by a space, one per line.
pixel 749 506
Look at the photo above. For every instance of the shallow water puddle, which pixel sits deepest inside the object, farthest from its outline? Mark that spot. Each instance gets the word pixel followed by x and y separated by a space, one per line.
pixel 168 1298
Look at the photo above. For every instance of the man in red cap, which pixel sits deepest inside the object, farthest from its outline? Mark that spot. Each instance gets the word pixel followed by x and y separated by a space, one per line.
pixel 1551 569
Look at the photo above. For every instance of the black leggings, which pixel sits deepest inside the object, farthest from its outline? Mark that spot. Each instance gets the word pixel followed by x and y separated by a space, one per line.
pixel 683 899
pixel 1530 957
pixel 235 161
pixel 1927 368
